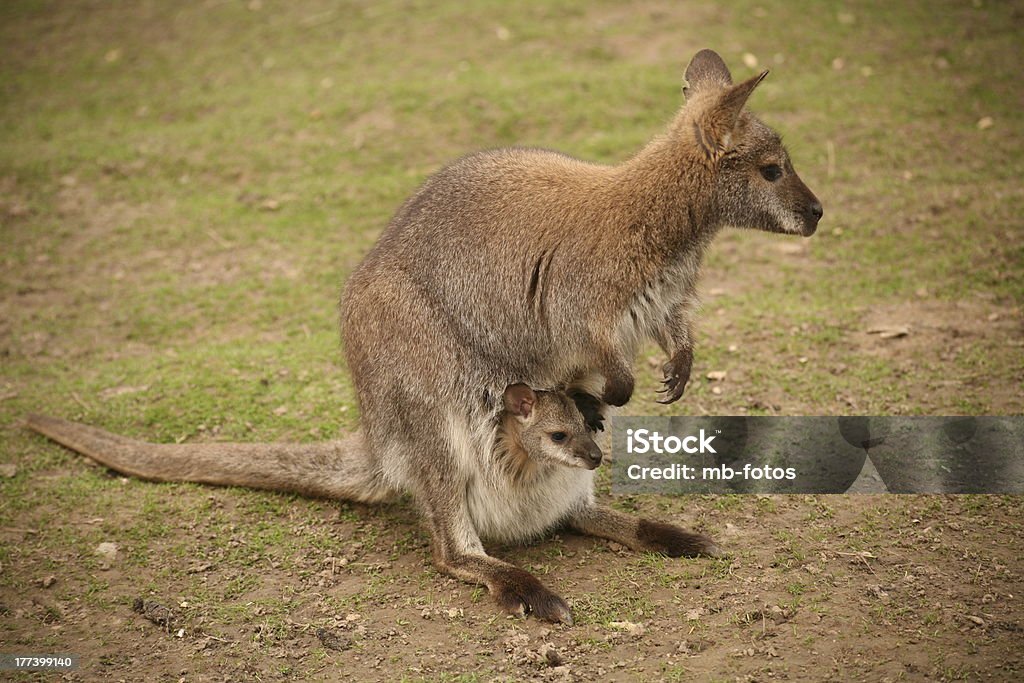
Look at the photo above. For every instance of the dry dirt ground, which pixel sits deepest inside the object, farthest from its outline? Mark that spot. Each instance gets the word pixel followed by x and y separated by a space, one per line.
pixel 819 588
pixel 184 186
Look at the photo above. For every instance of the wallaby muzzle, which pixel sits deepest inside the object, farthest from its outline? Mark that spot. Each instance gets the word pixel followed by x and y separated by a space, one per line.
pixel 811 213
pixel 589 454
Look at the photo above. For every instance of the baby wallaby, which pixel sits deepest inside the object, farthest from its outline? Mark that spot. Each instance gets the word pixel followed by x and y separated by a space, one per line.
pixel 547 428
pixel 540 478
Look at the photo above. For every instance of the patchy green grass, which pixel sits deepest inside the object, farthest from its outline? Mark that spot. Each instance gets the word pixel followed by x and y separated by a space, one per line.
pixel 184 188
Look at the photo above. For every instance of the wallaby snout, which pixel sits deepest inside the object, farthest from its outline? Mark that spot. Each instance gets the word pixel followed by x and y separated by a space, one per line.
pixel 802 209
pixel 813 212
pixel 589 454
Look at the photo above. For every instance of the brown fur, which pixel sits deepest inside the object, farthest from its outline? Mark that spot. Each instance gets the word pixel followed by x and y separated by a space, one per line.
pixel 512 456
pixel 335 469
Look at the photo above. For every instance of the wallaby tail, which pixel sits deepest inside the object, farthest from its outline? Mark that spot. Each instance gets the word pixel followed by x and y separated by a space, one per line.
pixel 335 469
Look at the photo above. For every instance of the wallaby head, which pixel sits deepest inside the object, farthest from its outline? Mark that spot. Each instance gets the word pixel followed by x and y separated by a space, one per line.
pixel 550 427
pixel 753 181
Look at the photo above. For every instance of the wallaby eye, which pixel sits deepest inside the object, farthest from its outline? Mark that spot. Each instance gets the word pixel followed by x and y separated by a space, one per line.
pixel 771 172
pixel 559 437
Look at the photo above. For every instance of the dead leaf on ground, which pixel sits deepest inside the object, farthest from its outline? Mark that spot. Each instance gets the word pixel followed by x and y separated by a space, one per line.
pixel 107 550
pixel 791 248
pixel 550 655
pixel 155 612
pixel 113 392
pixel 695 613
pixel 334 640
pixel 629 627
pixel 890 331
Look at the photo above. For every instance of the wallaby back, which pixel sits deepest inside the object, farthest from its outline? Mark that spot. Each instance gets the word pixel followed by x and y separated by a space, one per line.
pixel 334 469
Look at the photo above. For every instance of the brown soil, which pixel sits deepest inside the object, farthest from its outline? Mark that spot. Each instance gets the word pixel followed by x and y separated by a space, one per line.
pixel 821 588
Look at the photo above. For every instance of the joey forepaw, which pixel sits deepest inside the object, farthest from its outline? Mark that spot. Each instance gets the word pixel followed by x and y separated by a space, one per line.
pixel 590 408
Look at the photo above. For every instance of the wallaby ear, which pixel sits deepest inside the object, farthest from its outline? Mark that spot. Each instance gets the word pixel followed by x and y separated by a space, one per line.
pixel 716 120
pixel 519 400
pixel 707 70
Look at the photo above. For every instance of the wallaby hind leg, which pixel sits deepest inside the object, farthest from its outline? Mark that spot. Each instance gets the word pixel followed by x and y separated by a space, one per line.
pixel 642 534
pixel 619 382
pixel 516 590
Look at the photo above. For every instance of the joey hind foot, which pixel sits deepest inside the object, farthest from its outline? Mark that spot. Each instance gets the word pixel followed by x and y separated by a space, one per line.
pixel 618 390
pixel 520 593
pixel 673 541
pixel 677 374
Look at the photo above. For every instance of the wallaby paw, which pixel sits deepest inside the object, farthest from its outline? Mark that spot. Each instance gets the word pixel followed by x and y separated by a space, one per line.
pixel 618 392
pixel 520 593
pixel 677 374
pixel 673 541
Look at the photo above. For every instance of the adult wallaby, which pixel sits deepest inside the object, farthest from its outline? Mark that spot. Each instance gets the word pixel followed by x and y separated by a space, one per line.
pixel 530 267
pixel 523 265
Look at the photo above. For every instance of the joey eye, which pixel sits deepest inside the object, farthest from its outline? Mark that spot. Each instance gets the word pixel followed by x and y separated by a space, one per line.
pixel 771 172
pixel 559 437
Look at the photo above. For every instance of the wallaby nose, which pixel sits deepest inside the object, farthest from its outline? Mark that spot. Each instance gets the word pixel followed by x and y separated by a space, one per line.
pixel 591 456
pixel 812 215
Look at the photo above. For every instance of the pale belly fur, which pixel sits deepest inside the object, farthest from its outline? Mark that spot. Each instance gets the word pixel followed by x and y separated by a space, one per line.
pixel 507 511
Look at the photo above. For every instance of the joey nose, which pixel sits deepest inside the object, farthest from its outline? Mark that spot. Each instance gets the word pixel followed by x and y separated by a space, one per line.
pixel 817 211
pixel 591 456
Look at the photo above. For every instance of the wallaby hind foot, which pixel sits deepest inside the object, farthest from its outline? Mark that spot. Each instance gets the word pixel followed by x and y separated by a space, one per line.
pixel 515 590
pixel 638 533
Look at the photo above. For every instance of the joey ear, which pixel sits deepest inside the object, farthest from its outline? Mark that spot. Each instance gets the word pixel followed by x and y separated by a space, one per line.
pixel 707 70
pixel 519 400
pixel 716 119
